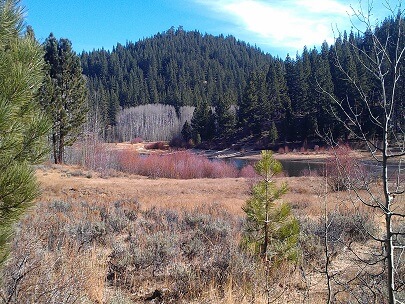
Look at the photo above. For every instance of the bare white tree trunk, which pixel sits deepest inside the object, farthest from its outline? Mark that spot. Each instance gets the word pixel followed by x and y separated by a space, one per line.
pixel 385 62
pixel 152 122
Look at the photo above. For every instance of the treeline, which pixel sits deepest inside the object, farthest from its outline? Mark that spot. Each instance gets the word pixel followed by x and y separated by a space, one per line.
pixel 276 100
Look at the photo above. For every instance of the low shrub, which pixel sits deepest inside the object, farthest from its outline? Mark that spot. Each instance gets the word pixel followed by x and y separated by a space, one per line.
pixel 248 172
pixel 191 252
pixel 179 165
pixel 118 252
pixel 344 171
pixel 343 228
pixel 312 246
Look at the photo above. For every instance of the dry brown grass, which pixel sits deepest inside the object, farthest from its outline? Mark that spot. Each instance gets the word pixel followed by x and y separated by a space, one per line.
pixel 305 193
pixel 231 193
pixel 75 185
pixel 58 184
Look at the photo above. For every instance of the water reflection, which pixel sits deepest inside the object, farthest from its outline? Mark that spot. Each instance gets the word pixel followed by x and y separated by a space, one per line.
pixel 290 167
pixel 307 167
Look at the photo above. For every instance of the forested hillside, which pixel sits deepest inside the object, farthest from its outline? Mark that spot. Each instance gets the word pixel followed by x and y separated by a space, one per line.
pixel 276 99
pixel 176 67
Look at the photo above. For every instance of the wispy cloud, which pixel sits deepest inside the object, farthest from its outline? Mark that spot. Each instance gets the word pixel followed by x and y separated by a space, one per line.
pixel 288 24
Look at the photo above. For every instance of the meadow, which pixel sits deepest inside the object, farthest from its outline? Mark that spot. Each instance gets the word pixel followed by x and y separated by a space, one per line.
pixel 118 233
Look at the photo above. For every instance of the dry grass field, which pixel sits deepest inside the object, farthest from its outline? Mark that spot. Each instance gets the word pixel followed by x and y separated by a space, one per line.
pixel 67 183
pixel 72 183
pixel 121 238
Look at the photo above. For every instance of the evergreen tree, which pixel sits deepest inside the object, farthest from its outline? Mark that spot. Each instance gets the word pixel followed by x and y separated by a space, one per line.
pixel 285 102
pixel 278 103
pixel 225 118
pixel 306 102
pixel 175 67
pixel 273 134
pixel 187 131
pixel 271 229
pixel 254 103
pixel 271 105
pixel 321 80
pixel 180 68
pixel 23 128
pixel 202 122
pixel 290 124
pixel 63 95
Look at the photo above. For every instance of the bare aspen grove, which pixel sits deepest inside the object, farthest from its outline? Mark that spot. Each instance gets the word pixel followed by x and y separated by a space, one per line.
pixel 152 122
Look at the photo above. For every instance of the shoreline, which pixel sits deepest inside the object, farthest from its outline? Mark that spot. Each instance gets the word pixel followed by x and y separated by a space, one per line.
pixel 256 155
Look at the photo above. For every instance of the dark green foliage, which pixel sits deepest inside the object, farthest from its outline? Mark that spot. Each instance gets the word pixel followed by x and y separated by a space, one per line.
pixel 187 131
pixel 175 67
pixel 186 68
pixel 23 128
pixel 253 108
pixel 273 133
pixel 202 122
pixel 63 94
pixel 225 117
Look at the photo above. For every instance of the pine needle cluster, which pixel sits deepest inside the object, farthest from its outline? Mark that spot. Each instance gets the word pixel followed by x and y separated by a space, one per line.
pixel 23 127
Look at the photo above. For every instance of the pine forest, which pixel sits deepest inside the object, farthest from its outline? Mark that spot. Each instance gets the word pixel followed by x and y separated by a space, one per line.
pixel 255 94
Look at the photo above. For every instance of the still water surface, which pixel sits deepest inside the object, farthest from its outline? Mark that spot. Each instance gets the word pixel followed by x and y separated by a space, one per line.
pixel 290 167
pixel 312 166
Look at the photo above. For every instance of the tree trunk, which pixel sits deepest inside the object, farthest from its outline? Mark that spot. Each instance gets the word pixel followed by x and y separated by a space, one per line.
pixel 61 145
pixel 389 247
pixel 54 148
pixel 267 220
pixel 390 259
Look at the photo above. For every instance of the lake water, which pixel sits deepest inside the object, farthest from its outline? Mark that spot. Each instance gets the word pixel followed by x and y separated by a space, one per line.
pixel 307 167
pixel 302 167
pixel 290 167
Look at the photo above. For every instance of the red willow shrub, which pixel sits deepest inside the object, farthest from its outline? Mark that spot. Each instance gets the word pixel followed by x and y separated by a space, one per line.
pixel 248 172
pixel 344 171
pixel 179 165
pixel 129 161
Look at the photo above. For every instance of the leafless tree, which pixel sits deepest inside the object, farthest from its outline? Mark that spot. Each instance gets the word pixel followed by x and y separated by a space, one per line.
pixel 384 64
pixel 152 122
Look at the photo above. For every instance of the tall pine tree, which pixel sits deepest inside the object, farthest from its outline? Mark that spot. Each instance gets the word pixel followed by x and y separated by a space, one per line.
pixel 225 118
pixel 63 95
pixel 202 122
pixel 253 104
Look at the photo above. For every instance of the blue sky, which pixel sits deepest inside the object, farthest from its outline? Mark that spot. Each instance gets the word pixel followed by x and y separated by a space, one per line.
pixel 276 26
